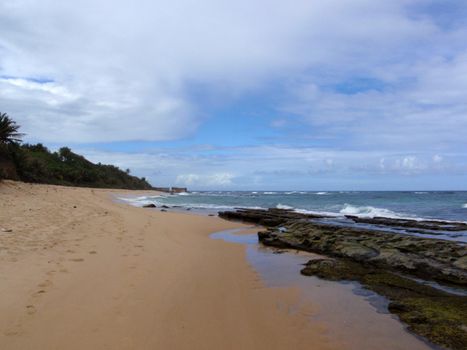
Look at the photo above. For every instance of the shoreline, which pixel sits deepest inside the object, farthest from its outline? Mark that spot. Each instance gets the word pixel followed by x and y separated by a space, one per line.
pixel 416 275
pixel 81 271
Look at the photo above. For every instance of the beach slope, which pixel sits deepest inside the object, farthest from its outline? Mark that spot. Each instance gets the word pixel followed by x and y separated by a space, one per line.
pixel 79 270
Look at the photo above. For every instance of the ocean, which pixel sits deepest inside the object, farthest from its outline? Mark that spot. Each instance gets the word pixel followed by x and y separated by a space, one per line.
pixel 442 205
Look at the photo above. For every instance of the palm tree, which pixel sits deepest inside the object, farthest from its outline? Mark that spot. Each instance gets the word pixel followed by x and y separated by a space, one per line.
pixel 9 130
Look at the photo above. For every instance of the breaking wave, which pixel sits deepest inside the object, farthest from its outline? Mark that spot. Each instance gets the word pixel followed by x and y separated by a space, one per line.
pixel 286 207
pixel 370 212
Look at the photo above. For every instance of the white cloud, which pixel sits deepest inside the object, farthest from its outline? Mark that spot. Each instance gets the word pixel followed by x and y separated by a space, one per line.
pixel 437 158
pixel 378 87
pixel 187 179
pixel 268 167
pixel 210 181
pixel 124 71
pixel 129 66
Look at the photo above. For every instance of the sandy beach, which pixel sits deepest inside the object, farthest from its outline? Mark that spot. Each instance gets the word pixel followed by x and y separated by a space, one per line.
pixel 81 271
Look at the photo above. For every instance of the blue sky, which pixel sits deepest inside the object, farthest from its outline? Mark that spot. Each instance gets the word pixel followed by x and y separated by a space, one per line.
pixel 334 95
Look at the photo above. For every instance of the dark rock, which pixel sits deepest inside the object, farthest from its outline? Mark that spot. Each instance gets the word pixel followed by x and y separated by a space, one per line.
pixel 461 263
pixel 441 260
pixel 270 217
pixel 429 312
pixel 151 205
pixel 434 225
pixel 381 262
pixel 163 210
pixel 165 206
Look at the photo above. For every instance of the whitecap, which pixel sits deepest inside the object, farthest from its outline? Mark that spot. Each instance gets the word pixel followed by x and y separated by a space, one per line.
pixel 283 206
pixel 464 206
pixel 370 212
pixel 317 212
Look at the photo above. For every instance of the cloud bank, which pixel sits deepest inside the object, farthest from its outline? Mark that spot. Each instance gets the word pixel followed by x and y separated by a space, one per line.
pixel 354 87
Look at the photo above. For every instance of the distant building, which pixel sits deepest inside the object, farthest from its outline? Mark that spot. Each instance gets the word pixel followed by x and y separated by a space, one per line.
pixel 171 189
pixel 179 189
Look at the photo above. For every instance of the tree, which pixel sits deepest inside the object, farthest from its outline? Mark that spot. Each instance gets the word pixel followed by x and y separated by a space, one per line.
pixel 9 130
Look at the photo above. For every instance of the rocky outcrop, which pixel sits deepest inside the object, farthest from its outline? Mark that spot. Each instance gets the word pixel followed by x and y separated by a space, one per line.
pixel 270 217
pixel 424 257
pixel 437 315
pixel 427 258
pixel 151 205
pixel 382 262
pixel 432 225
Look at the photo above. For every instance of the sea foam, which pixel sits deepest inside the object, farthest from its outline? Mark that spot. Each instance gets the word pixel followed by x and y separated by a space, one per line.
pixel 286 207
pixel 369 211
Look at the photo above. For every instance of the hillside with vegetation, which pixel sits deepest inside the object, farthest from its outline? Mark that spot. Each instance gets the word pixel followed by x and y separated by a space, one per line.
pixel 37 164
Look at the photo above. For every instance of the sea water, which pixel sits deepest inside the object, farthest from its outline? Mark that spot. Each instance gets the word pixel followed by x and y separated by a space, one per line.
pixel 447 205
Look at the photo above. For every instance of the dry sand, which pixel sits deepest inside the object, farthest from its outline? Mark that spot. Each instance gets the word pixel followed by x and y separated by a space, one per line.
pixel 80 271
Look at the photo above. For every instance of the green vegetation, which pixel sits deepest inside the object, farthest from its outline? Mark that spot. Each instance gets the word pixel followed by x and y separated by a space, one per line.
pixel 37 164
pixel 8 130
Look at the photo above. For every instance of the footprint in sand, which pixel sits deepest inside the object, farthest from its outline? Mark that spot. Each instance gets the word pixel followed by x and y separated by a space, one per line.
pixel 30 309
pixel 11 333
pixel 77 259
pixel 92 252
pixel 45 284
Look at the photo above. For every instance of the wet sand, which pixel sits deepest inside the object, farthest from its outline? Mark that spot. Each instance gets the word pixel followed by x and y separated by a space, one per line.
pixel 80 271
pixel 356 318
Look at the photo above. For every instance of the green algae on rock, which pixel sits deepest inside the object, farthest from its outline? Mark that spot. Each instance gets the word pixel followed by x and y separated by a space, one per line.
pixel 429 312
pixel 382 262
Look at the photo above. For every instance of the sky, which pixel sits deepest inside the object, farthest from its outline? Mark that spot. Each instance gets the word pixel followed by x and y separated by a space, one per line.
pixel 244 95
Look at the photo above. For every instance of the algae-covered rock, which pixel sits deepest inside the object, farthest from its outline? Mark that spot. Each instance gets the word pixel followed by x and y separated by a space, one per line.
pixel 461 263
pixel 357 251
pixel 377 260
pixel 429 312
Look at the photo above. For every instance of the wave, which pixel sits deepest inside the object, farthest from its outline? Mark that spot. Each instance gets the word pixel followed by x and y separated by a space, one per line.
pixel 421 192
pixel 371 212
pixel 464 206
pixel 141 201
pixel 269 192
pixel 183 194
pixel 321 193
pixel 307 211
pixel 213 206
pixel 286 207
pixel 348 209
